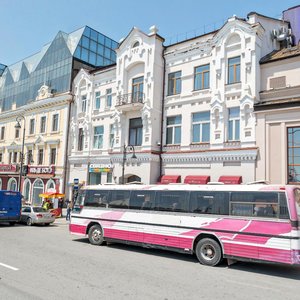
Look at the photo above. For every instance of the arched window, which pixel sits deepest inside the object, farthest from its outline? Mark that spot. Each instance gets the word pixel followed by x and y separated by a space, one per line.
pixel 37 189
pixel 12 184
pixel 50 184
pixel 136 44
pixel 134 178
pixel 26 190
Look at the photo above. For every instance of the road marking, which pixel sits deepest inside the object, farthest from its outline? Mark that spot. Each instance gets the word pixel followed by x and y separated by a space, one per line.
pixel 9 267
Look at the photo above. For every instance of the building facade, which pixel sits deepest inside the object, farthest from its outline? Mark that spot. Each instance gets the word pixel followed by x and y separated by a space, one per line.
pixel 186 108
pixel 278 117
pixel 35 94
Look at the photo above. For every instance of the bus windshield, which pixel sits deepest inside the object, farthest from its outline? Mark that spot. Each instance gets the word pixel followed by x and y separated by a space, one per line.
pixel 297 199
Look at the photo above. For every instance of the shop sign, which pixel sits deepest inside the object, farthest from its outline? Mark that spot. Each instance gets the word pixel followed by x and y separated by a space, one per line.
pixel 8 168
pixel 98 168
pixel 41 170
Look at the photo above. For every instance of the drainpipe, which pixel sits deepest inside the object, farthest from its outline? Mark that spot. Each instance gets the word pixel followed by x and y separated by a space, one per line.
pixel 66 167
pixel 162 117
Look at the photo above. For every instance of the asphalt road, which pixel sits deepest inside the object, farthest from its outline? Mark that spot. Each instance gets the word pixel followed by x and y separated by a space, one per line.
pixel 48 263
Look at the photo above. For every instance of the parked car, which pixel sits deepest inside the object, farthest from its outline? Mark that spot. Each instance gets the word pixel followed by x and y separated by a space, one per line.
pixel 36 215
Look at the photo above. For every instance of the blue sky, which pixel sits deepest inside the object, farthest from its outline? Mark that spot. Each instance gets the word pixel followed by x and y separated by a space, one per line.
pixel 26 25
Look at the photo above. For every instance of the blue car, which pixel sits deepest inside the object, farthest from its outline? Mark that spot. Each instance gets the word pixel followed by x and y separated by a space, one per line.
pixel 10 207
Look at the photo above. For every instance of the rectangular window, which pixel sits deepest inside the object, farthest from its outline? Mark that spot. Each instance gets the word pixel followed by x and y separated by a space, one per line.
pixel 135 131
pixel 216 203
pixel 1 156
pixel 119 199
pixel 80 139
pixel 43 125
pixel 171 201
pixel 97 100
pixel 10 158
pixel 31 126
pixel 83 103
pixel 234 124
pixel 201 77
pixel 234 70
pixel 109 177
pixel 52 156
pixel 137 89
pixel 2 133
pixel 174 130
pixel 111 135
pixel 96 198
pixel 259 204
pixel 40 156
pixel 174 83
pixel 29 157
pixel 15 157
pixel 17 133
pixel 55 122
pixel 201 127
pixel 294 154
pixel 108 97
pixel 98 137
pixel 142 200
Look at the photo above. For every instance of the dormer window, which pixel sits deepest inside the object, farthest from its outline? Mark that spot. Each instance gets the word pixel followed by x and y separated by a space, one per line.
pixel 136 44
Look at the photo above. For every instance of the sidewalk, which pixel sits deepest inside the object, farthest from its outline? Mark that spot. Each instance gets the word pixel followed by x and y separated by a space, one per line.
pixel 62 220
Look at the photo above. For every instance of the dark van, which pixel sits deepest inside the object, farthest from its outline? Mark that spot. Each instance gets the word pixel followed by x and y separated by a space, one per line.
pixel 10 207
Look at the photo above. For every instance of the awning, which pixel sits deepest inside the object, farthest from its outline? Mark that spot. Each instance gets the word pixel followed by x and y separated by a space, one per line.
pixel 197 179
pixel 231 179
pixel 51 195
pixel 166 179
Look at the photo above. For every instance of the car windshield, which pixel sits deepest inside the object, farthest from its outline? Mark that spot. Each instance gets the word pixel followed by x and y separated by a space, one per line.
pixel 39 209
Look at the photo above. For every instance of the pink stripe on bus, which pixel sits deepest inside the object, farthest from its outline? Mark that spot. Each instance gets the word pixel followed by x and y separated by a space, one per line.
pixel 78 229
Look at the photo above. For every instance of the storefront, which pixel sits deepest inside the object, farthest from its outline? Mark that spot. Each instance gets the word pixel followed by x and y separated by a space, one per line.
pixel 39 179
pixel 100 173
pixel 9 177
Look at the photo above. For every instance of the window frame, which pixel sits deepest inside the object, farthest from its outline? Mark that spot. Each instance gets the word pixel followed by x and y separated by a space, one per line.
pixel 80 139
pixel 201 75
pixel 172 128
pixel 43 124
pixel 83 103
pixel 234 134
pixel 40 156
pixel 98 137
pixel 55 123
pixel 201 124
pixel 135 135
pixel 236 67
pixel 293 155
pixel 97 100
pixel 31 126
pixel 108 98
pixel 174 82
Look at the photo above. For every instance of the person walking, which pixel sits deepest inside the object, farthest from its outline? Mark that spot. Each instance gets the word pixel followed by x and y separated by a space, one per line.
pixel 69 209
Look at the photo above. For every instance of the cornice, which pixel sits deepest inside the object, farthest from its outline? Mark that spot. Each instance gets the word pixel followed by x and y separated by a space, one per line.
pixel 211 156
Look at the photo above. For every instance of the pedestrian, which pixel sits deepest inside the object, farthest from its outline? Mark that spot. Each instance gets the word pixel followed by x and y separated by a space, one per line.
pixel 69 209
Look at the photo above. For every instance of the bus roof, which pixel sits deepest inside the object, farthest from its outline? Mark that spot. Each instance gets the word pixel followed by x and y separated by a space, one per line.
pixel 188 187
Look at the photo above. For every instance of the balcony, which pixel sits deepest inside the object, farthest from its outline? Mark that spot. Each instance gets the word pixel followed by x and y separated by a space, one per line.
pixel 130 102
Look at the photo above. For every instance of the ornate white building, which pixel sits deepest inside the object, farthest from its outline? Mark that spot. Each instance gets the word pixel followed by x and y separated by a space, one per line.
pixel 186 108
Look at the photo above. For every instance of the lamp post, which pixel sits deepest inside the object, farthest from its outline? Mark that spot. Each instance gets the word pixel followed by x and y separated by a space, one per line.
pixel 127 149
pixel 18 126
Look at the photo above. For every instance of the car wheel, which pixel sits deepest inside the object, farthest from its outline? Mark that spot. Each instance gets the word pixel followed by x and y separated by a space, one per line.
pixel 209 252
pixel 12 223
pixel 47 224
pixel 95 235
pixel 29 222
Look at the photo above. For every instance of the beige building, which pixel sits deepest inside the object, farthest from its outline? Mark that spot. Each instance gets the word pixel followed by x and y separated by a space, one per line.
pixel 44 145
pixel 278 117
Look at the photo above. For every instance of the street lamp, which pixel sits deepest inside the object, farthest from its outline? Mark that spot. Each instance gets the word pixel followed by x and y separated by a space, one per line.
pixel 127 149
pixel 18 126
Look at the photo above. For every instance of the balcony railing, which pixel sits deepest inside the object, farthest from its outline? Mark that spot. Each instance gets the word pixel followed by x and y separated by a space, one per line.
pixel 131 98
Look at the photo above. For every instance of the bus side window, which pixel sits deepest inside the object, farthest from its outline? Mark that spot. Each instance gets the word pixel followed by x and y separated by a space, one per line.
pixel 119 199
pixel 206 202
pixel 142 200
pixel 96 198
pixel 171 201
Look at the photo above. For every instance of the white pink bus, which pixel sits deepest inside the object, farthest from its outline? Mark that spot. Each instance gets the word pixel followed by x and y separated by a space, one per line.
pixel 236 222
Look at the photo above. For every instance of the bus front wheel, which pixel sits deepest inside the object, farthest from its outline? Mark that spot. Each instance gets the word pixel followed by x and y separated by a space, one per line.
pixel 209 252
pixel 95 235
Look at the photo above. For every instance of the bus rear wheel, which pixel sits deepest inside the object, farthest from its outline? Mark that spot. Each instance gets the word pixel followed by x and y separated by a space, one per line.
pixel 95 235
pixel 209 252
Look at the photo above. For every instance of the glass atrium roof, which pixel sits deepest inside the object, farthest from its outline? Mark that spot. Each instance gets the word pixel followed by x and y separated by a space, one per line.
pixel 53 65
